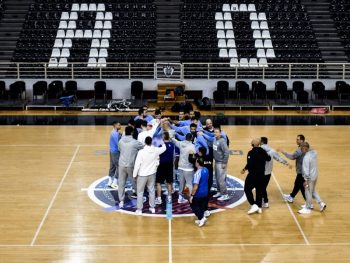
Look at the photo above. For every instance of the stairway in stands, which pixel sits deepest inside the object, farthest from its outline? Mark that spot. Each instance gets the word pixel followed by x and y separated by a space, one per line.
pixel 326 34
pixel 11 26
pixel 168 30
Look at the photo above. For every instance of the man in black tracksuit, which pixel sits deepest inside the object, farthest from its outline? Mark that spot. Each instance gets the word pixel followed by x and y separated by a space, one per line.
pixel 256 159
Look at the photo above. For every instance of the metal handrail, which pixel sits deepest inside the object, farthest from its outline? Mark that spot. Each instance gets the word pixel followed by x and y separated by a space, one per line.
pixel 195 70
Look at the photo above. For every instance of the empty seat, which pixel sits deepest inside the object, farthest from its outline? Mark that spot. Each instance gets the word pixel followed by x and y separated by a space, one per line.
pixel 228 25
pixel 97 34
pixel 92 63
pixel 72 25
pixel 136 89
pixel 263 25
pixel 102 62
pixel 100 16
pixel 222 43
pixel 106 34
pixel 220 34
pixel 263 62
pixel 107 25
pixel 265 34
pixel 262 16
pixel 84 7
pixel 253 63
pixel 243 8
pixel 101 7
pixel 79 33
pixel 227 16
pixel 65 53
pixel 234 8
pixel 53 63
pixel 108 16
pixel 87 34
pixel 260 53
pixel 65 16
pixel 226 8
pixel 223 53
pixel 75 7
pixel 58 43
pixel 95 43
pixel 63 63
pixel 67 43
pixel 103 53
pixel 56 52
pixel 219 25
pixel 63 25
pixel 253 16
pixel 104 43
pixel 232 53
pixel 93 53
pixel 98 25
pixel 251 8
pixel 255 25
pixel 256 34
pixel 61 34
pixel 70 33
pixel 270 53
pixel 258 43
pixel 234 62
pixel 219 16
pixel 231 43
pixel 243 63
pixel 92 7
pixel 73 16
pixel 230 34
pixel 268 43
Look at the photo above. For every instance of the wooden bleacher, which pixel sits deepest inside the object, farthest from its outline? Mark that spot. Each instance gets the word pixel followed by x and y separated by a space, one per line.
pixel 167 102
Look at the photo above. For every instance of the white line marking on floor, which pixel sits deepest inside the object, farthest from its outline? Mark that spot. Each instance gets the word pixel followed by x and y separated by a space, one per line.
pixel 170 243
pixel 54 196
pixel 291 212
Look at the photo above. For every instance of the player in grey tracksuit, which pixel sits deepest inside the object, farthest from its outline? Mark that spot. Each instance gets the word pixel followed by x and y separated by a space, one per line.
pixel 221 155
pixel 268 168
pixel 186 169
pixel 128 148
pixel 310 174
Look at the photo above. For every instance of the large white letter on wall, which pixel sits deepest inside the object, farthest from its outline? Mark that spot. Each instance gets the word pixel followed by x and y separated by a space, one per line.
pixel 67 31
pixel 226 36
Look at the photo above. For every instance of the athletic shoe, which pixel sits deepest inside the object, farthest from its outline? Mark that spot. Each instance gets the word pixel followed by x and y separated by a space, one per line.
pixel 110 181
pixel 169 199
pixel 217 195
pixel 304 211
pixel 114 186
pixel 121 204
pixel 265 205
pixel 134 196
pixel 152 210
pixel 207 213
pixel 197 222
pixel 254 209
pixel 322 206
pixel 259 211
pixel 304 206
pixel 181 200
pixel 158 201
pixel 138 212
pixel 202 221
pixel 224 198
pixel 288 198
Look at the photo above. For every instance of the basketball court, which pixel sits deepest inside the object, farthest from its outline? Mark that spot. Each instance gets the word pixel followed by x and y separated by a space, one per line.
pixel 47 215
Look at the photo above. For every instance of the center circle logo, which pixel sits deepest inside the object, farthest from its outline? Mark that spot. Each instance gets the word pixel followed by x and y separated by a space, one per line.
pixel 107 197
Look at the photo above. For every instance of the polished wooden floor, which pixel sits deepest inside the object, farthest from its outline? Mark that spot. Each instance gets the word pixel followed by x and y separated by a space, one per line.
pixel 45 217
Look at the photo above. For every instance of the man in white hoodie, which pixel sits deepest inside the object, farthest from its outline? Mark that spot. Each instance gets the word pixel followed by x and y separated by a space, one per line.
pixel 145 170
pixel 310 174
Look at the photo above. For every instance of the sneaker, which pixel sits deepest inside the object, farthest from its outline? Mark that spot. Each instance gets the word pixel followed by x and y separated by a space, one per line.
pixel 110 181
pixel 197 222
pixel 259 211
pixel 253 209
pixel 181 200
pixel 217 195
pixel 169 199
pixel 158 201
pixel 114 186
pixel 304 211
pixel 121 204
pixel 134 196
pixel 224 198
pixel 304 206
pixel 152 210
pixel 288 198
pixel 265 205
pixel 207 213
pixel 322 206
pixel 138 212
pixel 202 221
